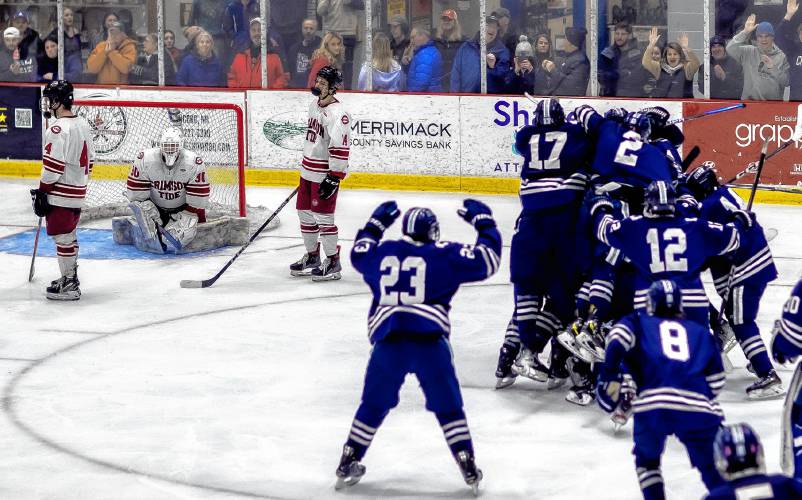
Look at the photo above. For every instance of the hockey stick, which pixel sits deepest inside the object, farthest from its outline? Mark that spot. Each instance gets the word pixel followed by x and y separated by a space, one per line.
pixel 690 158
pixel 35 247
pixel 706 113
pixel 209 282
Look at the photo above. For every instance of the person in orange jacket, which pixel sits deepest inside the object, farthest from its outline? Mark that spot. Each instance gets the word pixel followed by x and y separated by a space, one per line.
pixel 112 58
pixel 246 69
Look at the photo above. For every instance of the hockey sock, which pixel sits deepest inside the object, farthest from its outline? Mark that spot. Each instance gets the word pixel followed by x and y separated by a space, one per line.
pixel 328 233
pixel 455 430
pixel 601 297
pixel 512 337
pixel 582 301
pixel 309 230
pixel 67 253
pixel 651 482
pixel 748 336
pixel 363 428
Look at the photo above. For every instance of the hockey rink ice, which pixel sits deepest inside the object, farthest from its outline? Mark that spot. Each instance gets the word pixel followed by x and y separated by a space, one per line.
pixel 144 390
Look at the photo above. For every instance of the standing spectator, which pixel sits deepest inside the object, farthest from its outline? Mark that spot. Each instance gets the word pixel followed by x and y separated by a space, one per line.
pixel 170 48
pixel 330 53
pixel 340 17
pixel 651 81
pixel 570 77
pixel 246 69
pixel 727 79
pixel 201 67
pixel 108 20
pixel 621 70
pixel 235 24
pixel 789 39
pixel 285 16
pixel 14 68
pixel 145 70
pixel 399 31
pixel 209 14
pixel 47 66
pixel 190 33
pixel 543 56
pixel 72 38
pixel 523 78
pixel 300 54
pixel 426 67
pixel 386 72
pixel 506 33
pixel 448 40
pixel 112 59
pixel 765 66
pixel 465 72
pixel 30 46
pixel 676 69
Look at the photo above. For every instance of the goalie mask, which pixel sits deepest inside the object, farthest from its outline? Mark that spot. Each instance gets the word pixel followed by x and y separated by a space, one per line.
pixel 170 145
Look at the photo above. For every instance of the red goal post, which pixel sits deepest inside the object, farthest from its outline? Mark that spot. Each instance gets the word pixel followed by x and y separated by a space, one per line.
pixel 123 128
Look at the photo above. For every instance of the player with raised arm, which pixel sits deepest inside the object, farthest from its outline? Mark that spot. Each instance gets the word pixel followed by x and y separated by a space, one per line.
pixel 413 280
pixel 324 165
pixel 66 166
pixel 168 190
pixel 739 459
pixel 678 373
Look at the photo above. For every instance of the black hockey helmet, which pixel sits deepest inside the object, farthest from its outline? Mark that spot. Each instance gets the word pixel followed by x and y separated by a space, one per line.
pixel 659 199
pixel 549 111
pixel 664 299
pixel 421 224
pixel 738 452
pixel 703 180
pixel 58 92
pixel 658 115
pixel 333 76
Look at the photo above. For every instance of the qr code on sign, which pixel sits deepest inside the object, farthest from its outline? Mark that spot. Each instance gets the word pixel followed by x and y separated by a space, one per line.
pixel 23 118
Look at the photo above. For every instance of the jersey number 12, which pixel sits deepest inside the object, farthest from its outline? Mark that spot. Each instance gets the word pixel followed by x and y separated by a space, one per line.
pixel 671 257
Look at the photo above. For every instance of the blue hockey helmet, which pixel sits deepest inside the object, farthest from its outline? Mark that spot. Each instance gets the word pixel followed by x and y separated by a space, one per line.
pixel 664 299
pixel 659 199
pixel 549 111
pixel 640 123
pixel 738 452
pixel 421 224
pixel 703 180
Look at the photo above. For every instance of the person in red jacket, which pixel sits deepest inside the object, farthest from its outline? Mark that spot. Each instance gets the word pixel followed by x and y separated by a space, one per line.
pixel 246 69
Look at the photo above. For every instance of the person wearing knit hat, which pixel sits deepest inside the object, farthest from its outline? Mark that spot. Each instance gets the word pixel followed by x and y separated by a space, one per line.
pixel 766 69
pixel 575 36
pixel 399 37
pixel 789 40
pixel 727 76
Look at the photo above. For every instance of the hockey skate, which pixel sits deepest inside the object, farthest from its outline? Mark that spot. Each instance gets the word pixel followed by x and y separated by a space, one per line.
pixel 306 264
pixel 64 288
pixel 767 387
pixel 527 365
pixel 471 473
pixel 581 393
pixel 329 270
pixel 591 341
pixel 623 411
pixel 350 471
pixel 568 337
pixel 558 373
pixel 504 374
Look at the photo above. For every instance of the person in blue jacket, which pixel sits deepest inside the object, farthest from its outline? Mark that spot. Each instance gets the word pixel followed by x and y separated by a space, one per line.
pixel 465 72
pixel 201 67
pixel 426 67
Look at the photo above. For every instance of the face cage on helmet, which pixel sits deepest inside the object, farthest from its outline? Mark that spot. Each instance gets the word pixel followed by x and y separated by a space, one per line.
pixel 46 106
pixel 170 152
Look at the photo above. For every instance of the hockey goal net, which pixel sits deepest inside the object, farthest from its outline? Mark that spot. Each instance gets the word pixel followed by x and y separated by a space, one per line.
pixel 121 129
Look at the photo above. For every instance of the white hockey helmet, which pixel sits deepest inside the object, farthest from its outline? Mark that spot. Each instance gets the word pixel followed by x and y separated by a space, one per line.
pixel 170 144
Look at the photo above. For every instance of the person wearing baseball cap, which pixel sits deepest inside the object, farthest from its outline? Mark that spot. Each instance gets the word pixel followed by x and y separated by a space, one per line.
pixel 727 76
pixel 506 32
pixel 30 44
pixel 765 65
pixel 14 67
pixel 448 40
pixel 789 40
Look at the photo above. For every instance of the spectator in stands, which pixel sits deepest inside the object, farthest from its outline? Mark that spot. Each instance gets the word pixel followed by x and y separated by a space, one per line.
pixel 246 69
pixel 170 48
pixel 300 54
pixel 72 36
pixel 765 66
pixel 426 67
pixel 506 33
pixel 330 53
pixel 727 78
pixel 465 72
pixel 570 76
pixel 399 32
pixel 621 71
pixel 208 15
pixel 190 33
pixel 31 46
pixel 13 68
pixel 112 59
pixel 677 66
pixel 789 40
pixel 201 67
pixel 235 23
pixel 341 17
pixel 285 16
pixel 448 40
pixel 47 65
pixel 523 77
pixel 543 56
pixel 145 71
pixel 108 20
pixel 386 72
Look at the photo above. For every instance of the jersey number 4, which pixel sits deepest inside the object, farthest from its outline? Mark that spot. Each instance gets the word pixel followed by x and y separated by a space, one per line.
pixel 83 160
pixel 541 160
pixel 390 267
pixel 670 259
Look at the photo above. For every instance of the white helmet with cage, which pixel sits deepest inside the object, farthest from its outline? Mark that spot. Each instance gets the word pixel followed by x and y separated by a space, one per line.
pixel 171 144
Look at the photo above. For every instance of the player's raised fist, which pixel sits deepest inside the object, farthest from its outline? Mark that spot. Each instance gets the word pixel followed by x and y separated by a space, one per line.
pixel 384 215
pixel 476 213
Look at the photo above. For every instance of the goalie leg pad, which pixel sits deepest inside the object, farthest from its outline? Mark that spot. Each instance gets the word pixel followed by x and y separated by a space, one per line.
pixel 183 226
pixel 122 229
pixel 147 238
pixel 791 439
pixel 217 233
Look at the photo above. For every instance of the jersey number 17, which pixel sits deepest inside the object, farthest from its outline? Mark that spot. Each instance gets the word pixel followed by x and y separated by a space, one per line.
pixel 546 154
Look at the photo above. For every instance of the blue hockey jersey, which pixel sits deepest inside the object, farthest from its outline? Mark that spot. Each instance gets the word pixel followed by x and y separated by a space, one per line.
pixel 674 248
pixel 788 340
pixel 413 283
pixel 555 165
pixel 674 362
pixel 773 486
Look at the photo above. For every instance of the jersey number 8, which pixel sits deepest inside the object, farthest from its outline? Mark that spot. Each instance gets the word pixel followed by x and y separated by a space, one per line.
pixel 417 280
pixel 674 340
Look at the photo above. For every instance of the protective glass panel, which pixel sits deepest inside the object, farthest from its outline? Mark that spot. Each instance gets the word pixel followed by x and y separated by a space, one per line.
pixel 24 27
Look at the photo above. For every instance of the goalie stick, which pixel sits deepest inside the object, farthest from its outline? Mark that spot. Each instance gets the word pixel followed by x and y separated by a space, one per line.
pixel 35 247
pixel 209 282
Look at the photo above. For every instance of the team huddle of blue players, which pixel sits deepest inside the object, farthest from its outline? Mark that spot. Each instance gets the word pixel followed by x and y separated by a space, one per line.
pixel 605 262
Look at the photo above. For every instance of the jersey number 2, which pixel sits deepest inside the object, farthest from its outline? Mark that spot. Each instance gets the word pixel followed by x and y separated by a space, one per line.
pixel 628 149
pixel 552 161
pixel 671 258
pixel 417 281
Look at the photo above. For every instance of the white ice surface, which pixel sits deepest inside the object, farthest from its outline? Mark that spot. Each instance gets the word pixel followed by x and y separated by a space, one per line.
pixel 144 390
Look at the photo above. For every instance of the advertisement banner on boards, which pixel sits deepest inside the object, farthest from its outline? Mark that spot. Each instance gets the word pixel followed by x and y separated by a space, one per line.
pixel 20 123
pixel 395 134
pixel 733 139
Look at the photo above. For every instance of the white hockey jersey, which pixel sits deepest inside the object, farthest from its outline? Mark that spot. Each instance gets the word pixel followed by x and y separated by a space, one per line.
pixel 327 144
pixel 171 189
pixel 67 159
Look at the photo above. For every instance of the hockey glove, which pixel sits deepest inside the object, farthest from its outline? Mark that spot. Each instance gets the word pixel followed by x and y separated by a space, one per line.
pixel 41 207
pixel 600 203
pixel 776 346
pixel 476 213
pixel 328 186
pixel 607 394
pixel 382 218
pixel 743 218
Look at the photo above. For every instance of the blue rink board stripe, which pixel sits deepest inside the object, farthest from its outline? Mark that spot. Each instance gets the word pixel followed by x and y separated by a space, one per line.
pixel 93 244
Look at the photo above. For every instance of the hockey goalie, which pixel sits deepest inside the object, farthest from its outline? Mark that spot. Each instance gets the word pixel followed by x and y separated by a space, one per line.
pixel 168 191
